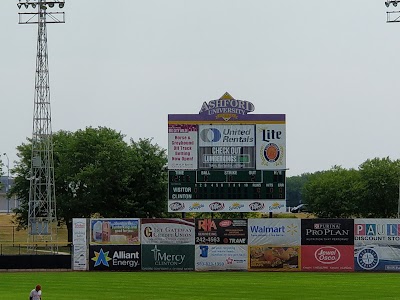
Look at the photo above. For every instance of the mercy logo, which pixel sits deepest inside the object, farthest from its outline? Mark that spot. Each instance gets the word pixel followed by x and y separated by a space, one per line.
pixel 101 258
pixel 166 259
pixel 210 135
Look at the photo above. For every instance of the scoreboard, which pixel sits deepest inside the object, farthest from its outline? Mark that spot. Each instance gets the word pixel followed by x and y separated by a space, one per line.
pixel 226 159
pixel 226 184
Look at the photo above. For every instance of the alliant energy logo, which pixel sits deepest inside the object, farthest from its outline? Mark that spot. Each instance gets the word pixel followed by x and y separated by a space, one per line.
pixel 177 206
pixel 216 206
pixel 327 255
pixel 256 206
pixel 119 258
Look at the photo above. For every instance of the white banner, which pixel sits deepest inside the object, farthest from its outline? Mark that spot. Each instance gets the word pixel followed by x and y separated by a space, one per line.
pixel 167 231
pixel 80 260
pixel 182 147
pixel 270 146
pixel 376 232
pixel 218 205
pixel 226 135
pixel 80 244
pixel 278 232
pixel 220 257
pixel 79 231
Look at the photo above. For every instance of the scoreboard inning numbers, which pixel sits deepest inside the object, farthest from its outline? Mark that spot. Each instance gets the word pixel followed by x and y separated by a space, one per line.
pixel 226 184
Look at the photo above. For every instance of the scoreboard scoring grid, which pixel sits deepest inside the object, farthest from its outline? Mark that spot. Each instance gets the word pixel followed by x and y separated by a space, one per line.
pixel 226 184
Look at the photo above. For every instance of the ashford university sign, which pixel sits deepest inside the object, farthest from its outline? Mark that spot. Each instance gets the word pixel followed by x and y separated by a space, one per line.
pixel 226 136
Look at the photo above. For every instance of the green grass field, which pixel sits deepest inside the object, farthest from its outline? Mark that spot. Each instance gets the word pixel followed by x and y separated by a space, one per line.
pixel 200 285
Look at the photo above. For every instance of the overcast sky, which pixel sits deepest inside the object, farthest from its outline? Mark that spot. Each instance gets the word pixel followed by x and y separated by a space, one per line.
pixel 331 66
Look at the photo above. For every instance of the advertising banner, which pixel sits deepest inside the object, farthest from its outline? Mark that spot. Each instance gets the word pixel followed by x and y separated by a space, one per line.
pixel 377 258
pixel 79 259
pixel 167 257
pixel 376 232
pixel 220 205
pixel 79 231
pixel 182 147
pixel 377 245
pixel 221 257
pixel 327 232
pixel 80 244
pixel 327 258
pixel 284 232
pixel 274 258
pixel 114 258
pixel 270 146
pixel 114 231
pixel 226 147
pixel 167 231
pixel 226 135
pixel 221 231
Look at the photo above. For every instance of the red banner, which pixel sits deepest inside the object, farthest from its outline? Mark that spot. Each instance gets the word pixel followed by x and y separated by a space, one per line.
pixel 327 258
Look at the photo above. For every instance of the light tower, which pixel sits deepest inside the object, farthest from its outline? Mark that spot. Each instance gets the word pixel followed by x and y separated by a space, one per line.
pixel 392 16
pixel 42 219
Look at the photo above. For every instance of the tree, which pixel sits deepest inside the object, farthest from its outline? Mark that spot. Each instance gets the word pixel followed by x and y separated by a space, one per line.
pixel 334 193
pixel 97 172
pixel 294 186
pixel 380 179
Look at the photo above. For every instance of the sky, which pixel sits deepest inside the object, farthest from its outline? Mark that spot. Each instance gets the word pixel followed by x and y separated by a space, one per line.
pixel 331 66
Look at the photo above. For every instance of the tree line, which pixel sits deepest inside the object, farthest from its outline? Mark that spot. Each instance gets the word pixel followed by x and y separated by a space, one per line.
pixel 98 173
pixel 371 191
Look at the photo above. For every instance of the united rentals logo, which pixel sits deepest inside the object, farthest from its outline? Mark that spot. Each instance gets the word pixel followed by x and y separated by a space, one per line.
pixel 210 135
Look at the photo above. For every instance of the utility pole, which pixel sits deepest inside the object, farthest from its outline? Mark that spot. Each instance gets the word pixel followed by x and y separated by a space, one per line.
pixel 8 182
pixel 42 219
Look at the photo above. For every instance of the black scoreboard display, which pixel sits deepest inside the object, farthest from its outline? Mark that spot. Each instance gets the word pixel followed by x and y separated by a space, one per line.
pixel 226 184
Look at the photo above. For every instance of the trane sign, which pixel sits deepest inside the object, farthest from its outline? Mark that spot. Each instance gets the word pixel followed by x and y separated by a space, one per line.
pixel 226 135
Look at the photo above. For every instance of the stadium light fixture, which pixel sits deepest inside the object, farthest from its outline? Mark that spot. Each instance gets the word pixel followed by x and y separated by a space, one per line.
pixel 51 4
pixel 61 5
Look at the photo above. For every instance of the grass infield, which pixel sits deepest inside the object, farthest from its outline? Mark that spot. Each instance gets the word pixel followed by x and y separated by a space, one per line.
pixel 200 285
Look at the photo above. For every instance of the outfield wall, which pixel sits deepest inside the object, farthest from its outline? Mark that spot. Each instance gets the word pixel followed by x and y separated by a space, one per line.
pixel 317 245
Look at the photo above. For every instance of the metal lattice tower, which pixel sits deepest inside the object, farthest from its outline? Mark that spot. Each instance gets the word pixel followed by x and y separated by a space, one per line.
pixel 42 219
pixel 392 16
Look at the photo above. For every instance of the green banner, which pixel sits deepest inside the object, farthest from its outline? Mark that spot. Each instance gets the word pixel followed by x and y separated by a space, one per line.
pixel 168 257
